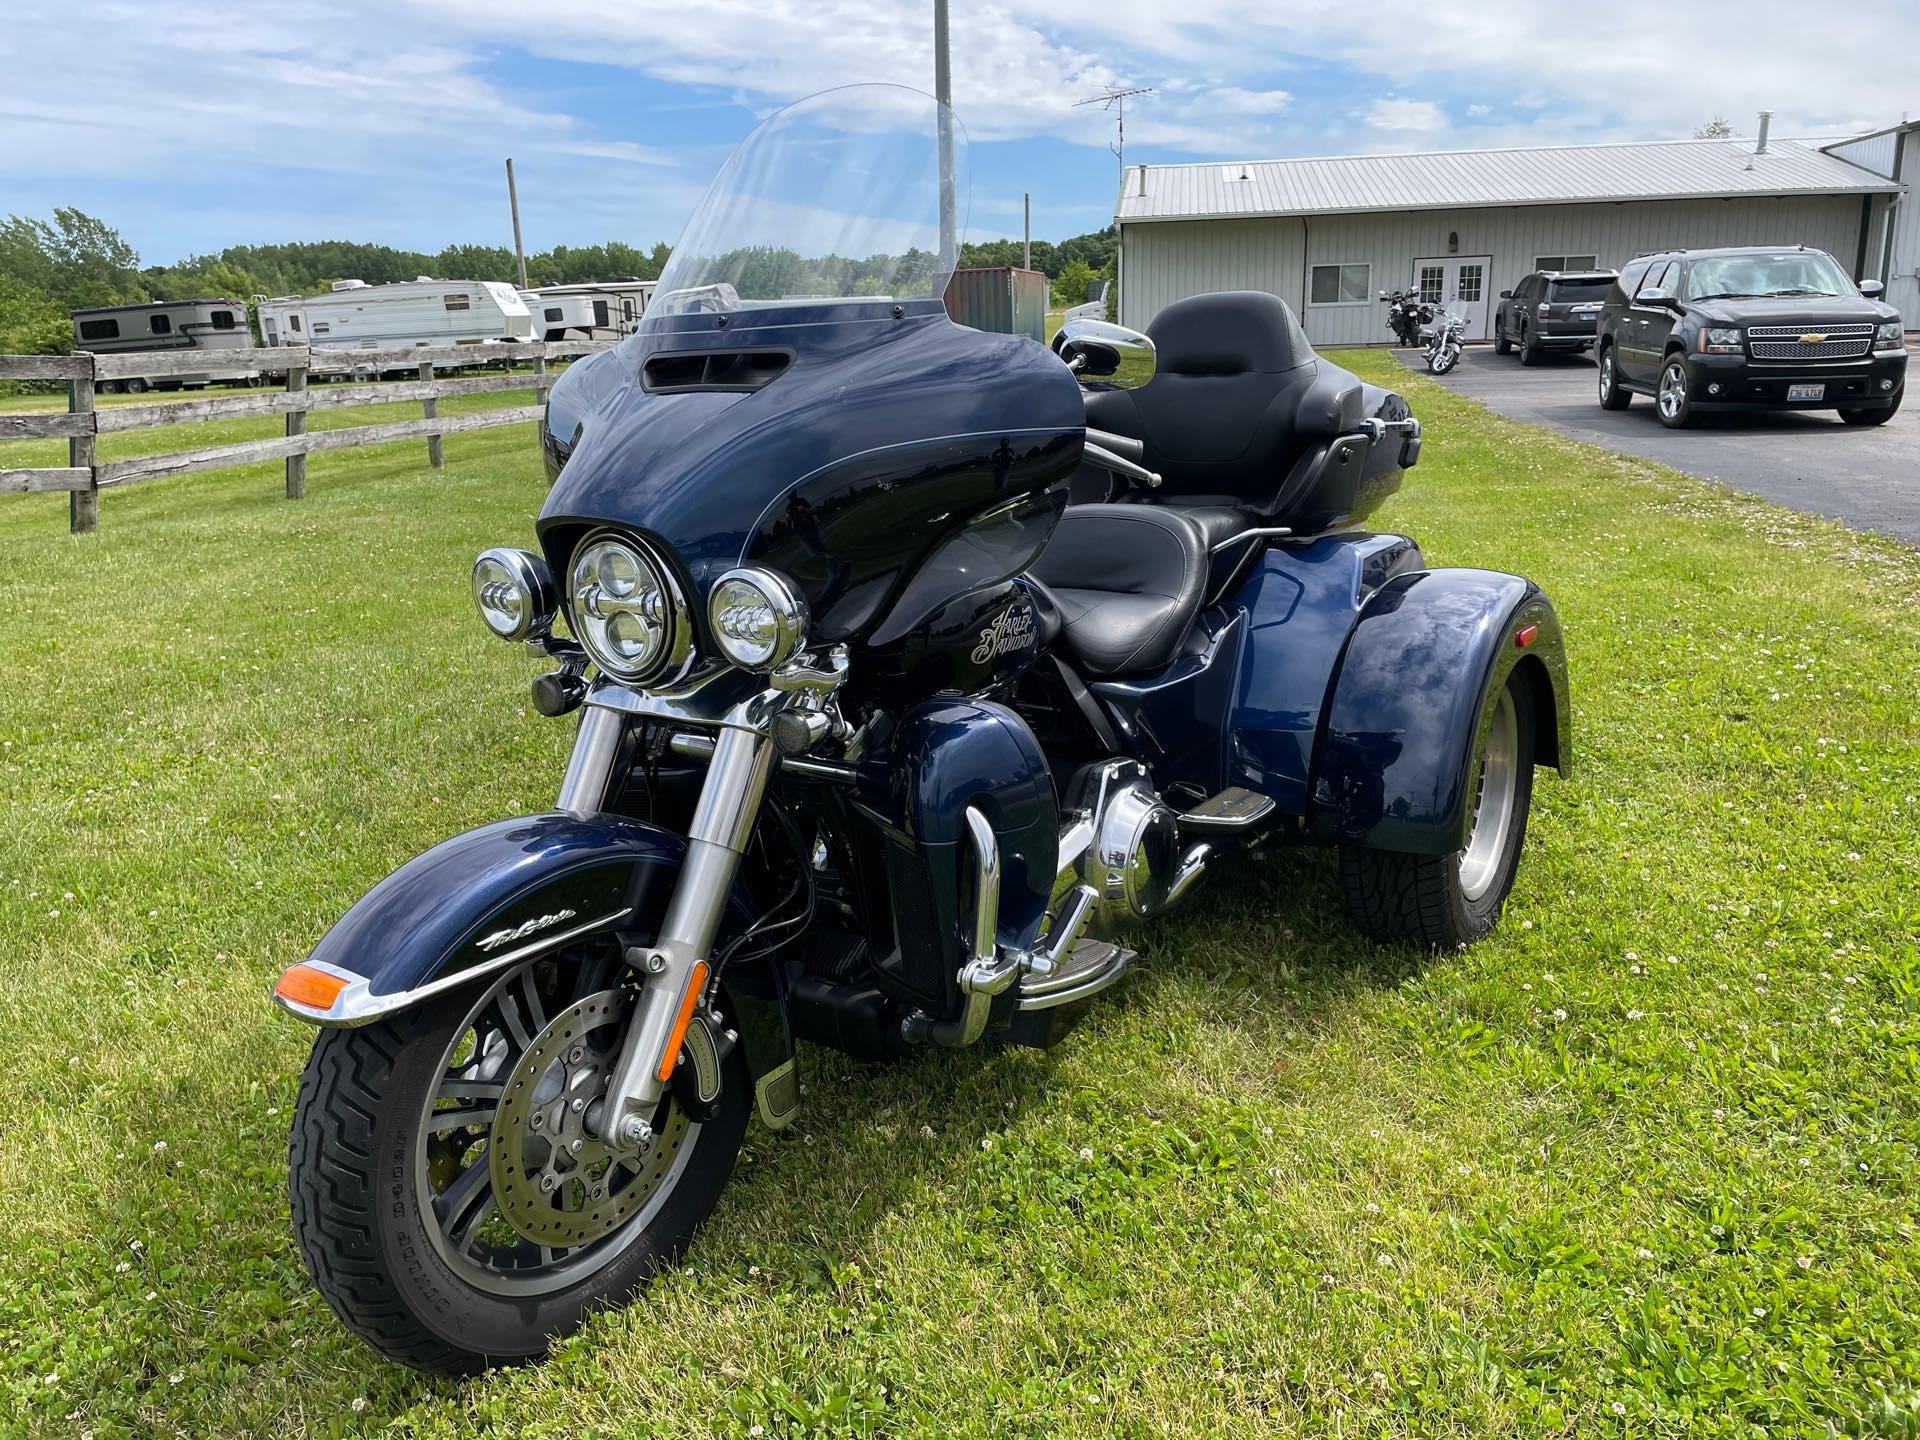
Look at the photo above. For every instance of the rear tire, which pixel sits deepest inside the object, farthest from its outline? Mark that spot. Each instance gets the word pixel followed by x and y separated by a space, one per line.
pixel 1448 901
pixel 1871 417
pixel 1613 395
pixel 1501 345
pixel 1529 348
pixel 136 386
pixel 358 1163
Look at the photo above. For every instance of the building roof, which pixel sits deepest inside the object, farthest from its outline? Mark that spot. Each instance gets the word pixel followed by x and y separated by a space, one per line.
pixel 1462 179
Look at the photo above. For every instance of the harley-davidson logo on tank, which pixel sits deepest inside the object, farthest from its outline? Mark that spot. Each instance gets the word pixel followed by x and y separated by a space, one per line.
pixel 1012 631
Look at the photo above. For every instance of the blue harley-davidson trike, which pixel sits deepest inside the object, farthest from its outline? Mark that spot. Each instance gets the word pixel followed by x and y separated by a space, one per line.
pixel 910 675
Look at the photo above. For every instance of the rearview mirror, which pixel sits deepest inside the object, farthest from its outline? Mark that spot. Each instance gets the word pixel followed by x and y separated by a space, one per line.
pixel 1664 299
pixel 1872 289
pixel 1114 356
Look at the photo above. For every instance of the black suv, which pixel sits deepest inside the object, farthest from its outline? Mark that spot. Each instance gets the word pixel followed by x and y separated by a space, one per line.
pixel 1550 310
pixel 1754 328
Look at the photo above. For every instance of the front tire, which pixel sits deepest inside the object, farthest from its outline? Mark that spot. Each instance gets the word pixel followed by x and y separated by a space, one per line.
pixel 393 1192
pixel 1671 401
pixel 1871 417
pixel 1448 901
pixel 1501 345
pixel 1448 357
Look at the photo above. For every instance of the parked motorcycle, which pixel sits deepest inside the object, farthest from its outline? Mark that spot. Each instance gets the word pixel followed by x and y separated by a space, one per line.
pixel 883 745
pixel 1444 337
pixel 1406 315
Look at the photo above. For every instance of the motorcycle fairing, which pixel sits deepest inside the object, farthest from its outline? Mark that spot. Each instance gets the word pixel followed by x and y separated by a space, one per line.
pixel 1408 706
pixel 890 431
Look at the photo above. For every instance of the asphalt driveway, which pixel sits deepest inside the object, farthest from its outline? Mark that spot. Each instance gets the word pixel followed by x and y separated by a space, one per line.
pixel 1867 477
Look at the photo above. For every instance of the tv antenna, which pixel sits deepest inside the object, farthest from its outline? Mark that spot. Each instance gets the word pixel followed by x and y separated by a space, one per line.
pixel 1111 97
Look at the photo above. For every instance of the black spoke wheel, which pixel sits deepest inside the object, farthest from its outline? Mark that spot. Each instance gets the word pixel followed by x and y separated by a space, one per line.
pixel 452 1195
pixel 1445 901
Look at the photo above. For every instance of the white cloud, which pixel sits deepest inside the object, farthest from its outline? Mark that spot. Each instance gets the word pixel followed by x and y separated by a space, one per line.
pixel 1235 101
pixel 1479 112
pixel 1406 115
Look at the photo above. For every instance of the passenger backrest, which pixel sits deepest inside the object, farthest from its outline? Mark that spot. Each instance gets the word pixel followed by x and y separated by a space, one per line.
pixel 1237 395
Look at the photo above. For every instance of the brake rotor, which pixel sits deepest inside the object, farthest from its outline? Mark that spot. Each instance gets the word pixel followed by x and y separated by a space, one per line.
pixel 555 1181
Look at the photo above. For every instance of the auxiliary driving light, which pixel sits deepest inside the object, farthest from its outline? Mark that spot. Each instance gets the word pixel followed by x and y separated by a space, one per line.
pixel 515 593
pixel 758 619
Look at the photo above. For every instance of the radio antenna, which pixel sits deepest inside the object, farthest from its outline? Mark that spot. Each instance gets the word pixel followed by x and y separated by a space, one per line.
pixel 1113 98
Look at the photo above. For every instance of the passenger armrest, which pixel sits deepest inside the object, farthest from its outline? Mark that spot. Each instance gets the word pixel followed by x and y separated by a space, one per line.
pixel 1334 403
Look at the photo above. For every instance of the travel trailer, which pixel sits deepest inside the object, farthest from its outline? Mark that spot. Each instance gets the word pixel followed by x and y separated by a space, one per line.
pixel 604 311
pixel 218 327
pixel 357 316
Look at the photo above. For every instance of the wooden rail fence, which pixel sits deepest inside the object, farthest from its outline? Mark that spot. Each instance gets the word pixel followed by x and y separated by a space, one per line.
pixel 84 476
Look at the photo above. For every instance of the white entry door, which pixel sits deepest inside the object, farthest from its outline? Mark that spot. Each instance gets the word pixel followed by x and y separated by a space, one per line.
pixel 1459 281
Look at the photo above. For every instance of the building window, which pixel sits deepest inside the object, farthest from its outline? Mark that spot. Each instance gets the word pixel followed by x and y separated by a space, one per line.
pixel 1433 284
pixel 458 302
pixel 223 320
pixel 1467 291
pixel 1340 285
pixel 1564 262
pixel 99 329
pixel 160 324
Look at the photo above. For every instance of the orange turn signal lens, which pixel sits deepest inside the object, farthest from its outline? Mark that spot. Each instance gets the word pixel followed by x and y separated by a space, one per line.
pixel 696 982
pixel 304 985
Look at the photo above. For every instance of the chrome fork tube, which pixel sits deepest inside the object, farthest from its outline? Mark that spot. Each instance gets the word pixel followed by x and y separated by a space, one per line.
pixel 583 791
pixel 723 821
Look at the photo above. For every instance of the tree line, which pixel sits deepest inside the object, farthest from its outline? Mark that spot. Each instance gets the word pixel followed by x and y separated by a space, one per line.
pixel 73 261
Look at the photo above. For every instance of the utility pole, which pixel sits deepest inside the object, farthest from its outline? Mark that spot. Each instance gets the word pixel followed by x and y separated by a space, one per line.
pixel 1114 99
pixel 513 203
pixel 1026 232
pixel 943 92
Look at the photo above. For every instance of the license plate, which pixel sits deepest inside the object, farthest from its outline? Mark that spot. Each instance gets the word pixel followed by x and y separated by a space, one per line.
pixel 1806 392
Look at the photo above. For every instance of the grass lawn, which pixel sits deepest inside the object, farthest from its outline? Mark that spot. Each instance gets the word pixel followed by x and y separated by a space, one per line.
pixel 1643 1164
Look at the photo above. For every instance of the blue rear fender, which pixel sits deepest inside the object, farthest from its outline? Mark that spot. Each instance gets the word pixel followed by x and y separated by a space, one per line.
pixel 1394 765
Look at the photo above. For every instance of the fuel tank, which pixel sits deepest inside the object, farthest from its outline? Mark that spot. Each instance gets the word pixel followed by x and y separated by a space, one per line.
pixel 850 447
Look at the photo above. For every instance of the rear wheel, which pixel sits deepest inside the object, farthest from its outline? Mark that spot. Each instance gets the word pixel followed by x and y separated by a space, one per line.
pixel 136 386
pixel 1451 900
pixel 1671 400
pixel 1529 347
pixel 1501 345
pixel 452 1197
pixel 1613 395
pixel 1871 417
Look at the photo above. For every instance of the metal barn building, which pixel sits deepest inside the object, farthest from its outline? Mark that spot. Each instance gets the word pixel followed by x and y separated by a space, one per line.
pixel 1327 235
pixel 1895 154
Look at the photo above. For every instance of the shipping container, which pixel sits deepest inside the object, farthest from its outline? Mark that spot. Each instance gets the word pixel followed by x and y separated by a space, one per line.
pixel 1001 298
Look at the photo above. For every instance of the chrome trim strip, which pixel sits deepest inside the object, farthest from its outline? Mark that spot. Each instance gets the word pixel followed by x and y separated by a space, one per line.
pixel 358 1005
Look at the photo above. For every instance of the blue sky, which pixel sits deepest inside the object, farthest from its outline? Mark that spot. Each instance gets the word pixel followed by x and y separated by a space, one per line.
pixel 193 126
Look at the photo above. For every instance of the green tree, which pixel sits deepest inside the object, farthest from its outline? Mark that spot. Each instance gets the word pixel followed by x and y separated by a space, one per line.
pixel 1070 286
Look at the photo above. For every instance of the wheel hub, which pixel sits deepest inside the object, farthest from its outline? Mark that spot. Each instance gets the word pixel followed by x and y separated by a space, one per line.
pixel 556 1180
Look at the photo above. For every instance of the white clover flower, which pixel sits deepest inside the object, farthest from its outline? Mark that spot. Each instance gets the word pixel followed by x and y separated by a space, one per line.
pixel 159 1147
pixel 358 1404
pixel 1559 1014
pixel 1805 1262
pixel 1643 1253
pixel 1086 1151
pixel 123 1267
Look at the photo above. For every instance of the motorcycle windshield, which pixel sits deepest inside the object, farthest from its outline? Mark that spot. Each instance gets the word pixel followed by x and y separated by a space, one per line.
pixel 853 195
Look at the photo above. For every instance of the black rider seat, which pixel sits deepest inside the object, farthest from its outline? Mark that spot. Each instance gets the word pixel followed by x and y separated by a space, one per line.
pixel 1127 581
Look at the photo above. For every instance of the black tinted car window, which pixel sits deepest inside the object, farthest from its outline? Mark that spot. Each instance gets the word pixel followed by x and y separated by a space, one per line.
pixel 1574 292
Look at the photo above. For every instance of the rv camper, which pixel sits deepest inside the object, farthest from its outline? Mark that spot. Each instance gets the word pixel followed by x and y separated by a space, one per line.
pixel 218 327
pixel 605 311
pixel 406 314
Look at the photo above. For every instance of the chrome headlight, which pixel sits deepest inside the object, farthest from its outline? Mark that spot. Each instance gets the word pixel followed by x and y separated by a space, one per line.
pixel 758 618
pixel 514 590
pixel 1720 340
pixel 625 608
pixel 1889 337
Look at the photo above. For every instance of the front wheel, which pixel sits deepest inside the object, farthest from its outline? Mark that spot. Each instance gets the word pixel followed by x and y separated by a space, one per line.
pixel 1871 417
pixel 1446 901
pixel 1674 405
pixel 1501 345
pixel 452 1197
pixel 1445 360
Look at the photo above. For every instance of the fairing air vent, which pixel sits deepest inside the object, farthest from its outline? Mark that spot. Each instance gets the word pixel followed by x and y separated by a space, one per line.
pixel 714 370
